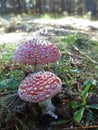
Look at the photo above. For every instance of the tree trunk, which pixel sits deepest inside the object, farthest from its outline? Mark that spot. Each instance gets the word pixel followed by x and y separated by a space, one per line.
pixel 24 6
pixel 68 6
pixel 53 6
pixel 90 6
pixel 39 6
pixel 3 6
pixel 62 6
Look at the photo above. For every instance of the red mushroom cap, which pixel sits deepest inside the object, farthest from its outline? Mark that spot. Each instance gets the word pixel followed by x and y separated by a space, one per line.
pixel 37 51
pixel 39 87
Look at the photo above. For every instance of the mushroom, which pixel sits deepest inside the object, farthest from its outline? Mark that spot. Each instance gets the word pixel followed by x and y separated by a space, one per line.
pixel 35 52
pixel 39 88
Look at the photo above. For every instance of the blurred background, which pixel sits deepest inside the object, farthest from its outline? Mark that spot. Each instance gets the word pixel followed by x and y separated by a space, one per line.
pixel 70 7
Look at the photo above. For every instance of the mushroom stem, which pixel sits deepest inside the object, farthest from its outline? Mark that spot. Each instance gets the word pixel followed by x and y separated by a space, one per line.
pixel 49 108
pixel 35 67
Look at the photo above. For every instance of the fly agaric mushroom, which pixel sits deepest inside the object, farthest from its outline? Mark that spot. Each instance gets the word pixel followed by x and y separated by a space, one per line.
pixel 39 88
pixel 34 52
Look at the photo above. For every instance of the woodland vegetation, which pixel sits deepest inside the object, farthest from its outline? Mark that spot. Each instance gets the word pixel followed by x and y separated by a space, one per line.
pixel 77 102
pixel 49 6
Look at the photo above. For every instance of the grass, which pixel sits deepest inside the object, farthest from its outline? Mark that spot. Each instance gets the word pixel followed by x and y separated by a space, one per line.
pixel 78 70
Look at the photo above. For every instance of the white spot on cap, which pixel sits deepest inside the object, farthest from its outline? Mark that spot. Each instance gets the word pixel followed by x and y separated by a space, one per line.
pixel 29 97
pixel 24 90
pixel 29 88
pixel 41 88
pixel 48 95
pixel 23 85
pixel 53 86
pixel 35 88
pixel 47 86
pixel 34 97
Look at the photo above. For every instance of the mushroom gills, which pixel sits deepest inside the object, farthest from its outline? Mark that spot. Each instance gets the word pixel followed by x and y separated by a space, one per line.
pixel 48 108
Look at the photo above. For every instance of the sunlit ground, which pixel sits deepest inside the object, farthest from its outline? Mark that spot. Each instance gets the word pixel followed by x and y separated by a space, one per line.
pixel 15 35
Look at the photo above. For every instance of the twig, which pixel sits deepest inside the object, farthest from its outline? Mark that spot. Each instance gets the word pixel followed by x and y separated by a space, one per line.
pixel 81 128
pixel 86 56
pixel 83 58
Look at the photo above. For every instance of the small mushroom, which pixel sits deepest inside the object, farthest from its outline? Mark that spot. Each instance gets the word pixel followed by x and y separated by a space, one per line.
pixel 37 52
pixel 39 88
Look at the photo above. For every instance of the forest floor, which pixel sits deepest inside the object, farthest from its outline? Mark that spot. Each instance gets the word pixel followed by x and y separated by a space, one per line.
pixel 25 28
pixel 77 103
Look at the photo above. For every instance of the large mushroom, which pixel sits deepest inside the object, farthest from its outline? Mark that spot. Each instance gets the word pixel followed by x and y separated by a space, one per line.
pixel 36 52
pixel 39 88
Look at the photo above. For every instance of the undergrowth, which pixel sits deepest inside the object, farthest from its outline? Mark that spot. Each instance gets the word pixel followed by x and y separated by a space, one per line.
pixel 76 104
